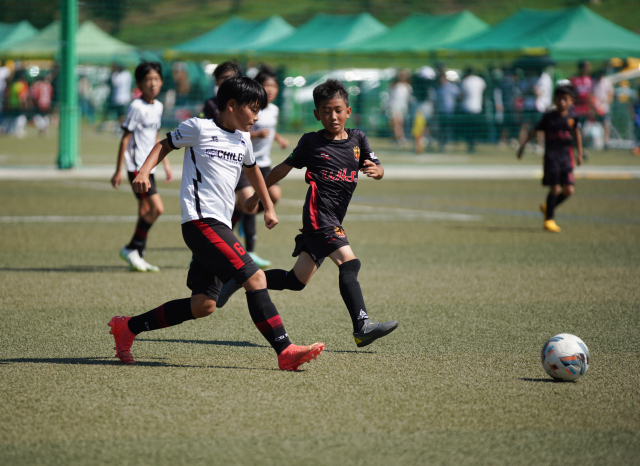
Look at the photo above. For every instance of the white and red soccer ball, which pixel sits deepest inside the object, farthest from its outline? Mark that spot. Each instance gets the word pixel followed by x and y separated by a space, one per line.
pixel 565 357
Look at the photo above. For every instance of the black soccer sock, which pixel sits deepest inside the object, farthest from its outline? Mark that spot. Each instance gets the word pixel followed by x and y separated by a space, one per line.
pixel 169 314
pixel 139 240
pixel 552 200
pixel 266 317
pixel 235 217
pixel 560 199
pixel 351 293
pixel 249 224
pixel 278 279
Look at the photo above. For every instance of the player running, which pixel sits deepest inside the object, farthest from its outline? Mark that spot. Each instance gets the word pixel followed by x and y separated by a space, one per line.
pixel 141 127
pixel 215 152
pixel 332 157
pixel 560 128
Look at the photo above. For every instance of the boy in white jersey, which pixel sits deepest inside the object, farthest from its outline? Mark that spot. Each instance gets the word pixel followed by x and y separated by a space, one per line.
pixel 215 153
pixel 263 134
pixel 141 127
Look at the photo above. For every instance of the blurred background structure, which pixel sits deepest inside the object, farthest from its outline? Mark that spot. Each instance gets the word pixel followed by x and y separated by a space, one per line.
pixel 470 75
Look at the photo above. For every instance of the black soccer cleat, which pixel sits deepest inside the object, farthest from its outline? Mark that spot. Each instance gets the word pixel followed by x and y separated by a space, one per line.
pixel 371 331
pixel 227 290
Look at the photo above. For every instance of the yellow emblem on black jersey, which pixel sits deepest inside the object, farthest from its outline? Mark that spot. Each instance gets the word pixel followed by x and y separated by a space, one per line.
pixel 356 152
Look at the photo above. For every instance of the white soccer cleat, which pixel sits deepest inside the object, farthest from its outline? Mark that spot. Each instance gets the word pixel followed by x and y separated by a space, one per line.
pixel 150 268
pixel 132 257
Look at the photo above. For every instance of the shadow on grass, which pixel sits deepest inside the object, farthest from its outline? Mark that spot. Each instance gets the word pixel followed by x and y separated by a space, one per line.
pixel 170 248
pixel 245 344
pixel 77 269
pixel 114 362
pixel 349 351
pixel 548 380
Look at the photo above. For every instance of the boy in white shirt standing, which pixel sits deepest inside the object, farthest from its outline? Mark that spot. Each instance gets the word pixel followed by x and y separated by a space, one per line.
pixel 141 127
pixel 216 151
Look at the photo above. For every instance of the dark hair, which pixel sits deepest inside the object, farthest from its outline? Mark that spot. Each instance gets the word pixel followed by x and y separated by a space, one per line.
pixel 143 69
pixel 328 90
pixel 224 68
pixel 266 72
pixel 244 90
pixel 564 90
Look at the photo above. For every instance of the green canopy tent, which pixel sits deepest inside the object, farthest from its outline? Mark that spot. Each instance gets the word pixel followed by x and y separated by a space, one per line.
pixel 569 34
pixel 93 46
pixel 328 34
pixel 423 33
pixel 236 36
pixel 14 33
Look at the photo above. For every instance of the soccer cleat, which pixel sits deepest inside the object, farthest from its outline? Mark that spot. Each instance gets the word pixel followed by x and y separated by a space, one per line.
pixel 550 225
pixel 227 290
pixel 132 257
pixel 543 209
pixel 371 331
pixel 295 356
pixel 123 337
pixel 260 262
pixel 149 267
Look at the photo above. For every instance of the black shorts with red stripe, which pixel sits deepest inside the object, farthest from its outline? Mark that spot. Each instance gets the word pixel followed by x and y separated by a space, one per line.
pixel 320 243
pixel 217 257
pixel 152 189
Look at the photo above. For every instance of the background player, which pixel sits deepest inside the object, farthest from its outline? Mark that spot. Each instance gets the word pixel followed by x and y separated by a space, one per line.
pixel 215 153
pixel 558 125
pixel 332 157
pixel 263 134
pixel 225 70
pixel 141 127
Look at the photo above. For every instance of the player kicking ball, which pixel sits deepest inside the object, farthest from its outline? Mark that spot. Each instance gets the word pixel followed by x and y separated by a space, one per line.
pixel 560 129
pixel 141 127
pixel 333 156
pixel 215 152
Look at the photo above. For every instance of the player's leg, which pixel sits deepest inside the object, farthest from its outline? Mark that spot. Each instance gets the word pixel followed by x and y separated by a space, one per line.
pixel 150 207
pixel 568 187
pixel 365 331
pixel 248 226
pixel 549 211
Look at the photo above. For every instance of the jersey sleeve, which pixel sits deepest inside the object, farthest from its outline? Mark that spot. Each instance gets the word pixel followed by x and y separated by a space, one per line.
pixel 185 135
pixel 249 158
pixel 542 124
pixel 365 151
pixel 298 158
pixel 132 118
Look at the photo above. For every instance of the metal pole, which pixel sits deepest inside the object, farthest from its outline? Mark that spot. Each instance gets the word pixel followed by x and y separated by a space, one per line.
pixel 68 156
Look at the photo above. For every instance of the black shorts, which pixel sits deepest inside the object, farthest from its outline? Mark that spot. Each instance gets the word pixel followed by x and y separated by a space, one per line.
pixel 243 182
pixel 217 257
pixel 556 177
pixel 320 243
pixel 152 189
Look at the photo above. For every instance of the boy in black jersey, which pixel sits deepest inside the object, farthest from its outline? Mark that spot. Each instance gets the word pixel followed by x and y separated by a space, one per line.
pixel 333 157
pixel 560 128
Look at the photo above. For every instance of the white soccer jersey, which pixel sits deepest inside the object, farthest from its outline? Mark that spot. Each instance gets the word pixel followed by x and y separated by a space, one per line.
pixel 143 120
pixel 213 159
pixel 267 119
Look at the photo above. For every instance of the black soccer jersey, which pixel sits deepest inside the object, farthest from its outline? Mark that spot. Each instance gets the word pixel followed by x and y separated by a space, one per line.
pixel 558 137
pixel 332 173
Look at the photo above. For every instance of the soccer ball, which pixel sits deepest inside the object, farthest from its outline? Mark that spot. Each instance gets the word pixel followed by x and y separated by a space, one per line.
pixel 565 357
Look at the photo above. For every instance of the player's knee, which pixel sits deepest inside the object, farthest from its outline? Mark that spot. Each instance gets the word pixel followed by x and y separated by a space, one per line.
pixel 555 190
pixel 349 268
pixel 295 284
pixel 257 281
pixel 568 190
pixel 202 307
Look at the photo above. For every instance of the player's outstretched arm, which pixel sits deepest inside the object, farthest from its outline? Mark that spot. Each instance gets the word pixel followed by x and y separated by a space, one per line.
pixel 116 179
pixel 254 175
pixel 529 137
pixel 372 170
pixel 141 183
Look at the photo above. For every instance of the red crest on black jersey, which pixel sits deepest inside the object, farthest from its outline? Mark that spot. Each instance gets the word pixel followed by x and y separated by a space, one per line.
pixel 356 152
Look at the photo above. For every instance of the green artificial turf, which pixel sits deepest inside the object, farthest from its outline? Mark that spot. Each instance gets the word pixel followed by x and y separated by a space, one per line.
pixel 459 382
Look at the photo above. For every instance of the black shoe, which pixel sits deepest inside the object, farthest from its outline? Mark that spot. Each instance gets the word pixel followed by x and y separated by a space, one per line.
pixel 227 290
pixel 371 331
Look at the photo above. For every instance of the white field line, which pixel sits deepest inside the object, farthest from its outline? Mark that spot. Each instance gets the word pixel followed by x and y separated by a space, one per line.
pixel 393 172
